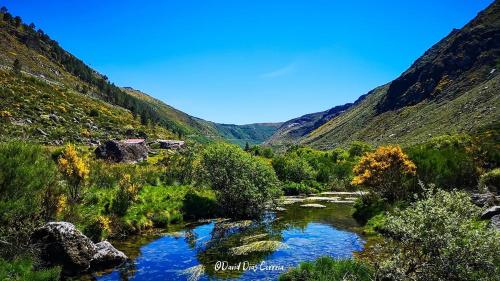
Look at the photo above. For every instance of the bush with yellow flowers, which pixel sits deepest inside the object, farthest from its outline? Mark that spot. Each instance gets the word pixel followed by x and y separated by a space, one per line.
pixel 75 170
pixel 383 171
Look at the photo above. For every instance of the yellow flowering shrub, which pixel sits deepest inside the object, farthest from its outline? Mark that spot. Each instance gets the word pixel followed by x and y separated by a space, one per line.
pixel 384 170
pixel 74 169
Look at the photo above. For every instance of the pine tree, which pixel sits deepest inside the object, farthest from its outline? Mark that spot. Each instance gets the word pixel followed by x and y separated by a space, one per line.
pixel 247 147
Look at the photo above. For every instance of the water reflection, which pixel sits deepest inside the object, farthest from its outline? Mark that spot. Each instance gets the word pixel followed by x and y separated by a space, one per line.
pixel 272 245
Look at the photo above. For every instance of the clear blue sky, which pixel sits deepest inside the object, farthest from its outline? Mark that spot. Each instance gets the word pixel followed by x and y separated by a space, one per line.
pixel 251 60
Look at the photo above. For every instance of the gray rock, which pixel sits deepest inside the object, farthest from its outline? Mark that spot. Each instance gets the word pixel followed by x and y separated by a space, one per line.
pixel 61 244
pixel 495 222
pixel 54 117
pixel 483 199
pixel 122 152
pixel 313 206
pixel 490 212
pixel 107 256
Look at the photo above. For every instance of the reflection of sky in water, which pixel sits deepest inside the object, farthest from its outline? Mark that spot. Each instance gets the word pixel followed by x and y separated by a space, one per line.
pixel 167 257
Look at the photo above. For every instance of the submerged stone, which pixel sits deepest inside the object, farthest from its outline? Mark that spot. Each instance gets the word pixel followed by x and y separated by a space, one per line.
pixel 313 206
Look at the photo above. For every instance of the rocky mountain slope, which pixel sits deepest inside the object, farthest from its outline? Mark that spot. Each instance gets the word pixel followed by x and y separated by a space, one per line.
pixel 50 96
pixel 452 88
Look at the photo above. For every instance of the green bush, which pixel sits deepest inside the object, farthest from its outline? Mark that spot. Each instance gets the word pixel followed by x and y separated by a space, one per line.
pixel 328 269
pixel 439 238
pixel 243 184
pixel 368 206
pixel 22 270
pixel 358 149
pixel 199 204
pixel 291 167
pixel 28 193
pixel 447 161
pixel 490 181
pixel 156 206
pixel 180 165
pixel 293 188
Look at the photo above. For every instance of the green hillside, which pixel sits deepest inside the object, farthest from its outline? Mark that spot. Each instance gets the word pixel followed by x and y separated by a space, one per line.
pixel 251 133
pixel 452 88
pixel 43 87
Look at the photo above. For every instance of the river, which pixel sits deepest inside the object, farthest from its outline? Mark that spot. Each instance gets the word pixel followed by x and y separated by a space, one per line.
pixel 244 250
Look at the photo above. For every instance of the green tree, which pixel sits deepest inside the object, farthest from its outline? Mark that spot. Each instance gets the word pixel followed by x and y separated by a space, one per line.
pixel 291 167
pixel 243 184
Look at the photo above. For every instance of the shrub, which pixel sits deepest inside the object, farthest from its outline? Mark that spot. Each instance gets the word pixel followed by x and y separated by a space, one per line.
pixel 291 167
pixel 383 171
pixel 326 268
pixel 28 193
pixel 180 165
pixel 75 171
pixel 155 206
pixel 368 206
pixel 22 269
pixel 358 148
pixel 243 184
pixel 199 205
pixel 447 161
pixel 439 238
pixel 293 188
pixel 126 194
pixel 490 181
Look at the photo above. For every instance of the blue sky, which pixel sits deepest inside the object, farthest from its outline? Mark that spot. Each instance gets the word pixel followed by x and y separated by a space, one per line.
pixel 242 61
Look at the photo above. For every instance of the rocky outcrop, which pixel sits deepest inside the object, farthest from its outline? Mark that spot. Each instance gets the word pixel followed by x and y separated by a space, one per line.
pixel 107 256
pixel 490 212
pixel 483 199
pixel 61 244
pixel 122 152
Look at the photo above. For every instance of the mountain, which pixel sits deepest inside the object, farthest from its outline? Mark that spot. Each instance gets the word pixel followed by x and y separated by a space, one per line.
pixel 252 133
pixel 290 132
pixel 452 88
pixel 50 96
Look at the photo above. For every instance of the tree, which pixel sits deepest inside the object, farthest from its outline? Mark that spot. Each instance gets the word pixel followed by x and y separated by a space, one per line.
pixel 4 10
pixel 32 26
pixel 291 167
pixel 17 21
pixel 439 238
pixel 243 184
pixel 247 147
pixel 75 170
pixel 17 66
pixel 384 171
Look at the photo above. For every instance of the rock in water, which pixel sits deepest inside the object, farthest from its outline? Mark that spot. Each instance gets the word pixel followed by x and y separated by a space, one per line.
pixel 61 244
pixel 122 152
pixel 313 206
pixel 107 256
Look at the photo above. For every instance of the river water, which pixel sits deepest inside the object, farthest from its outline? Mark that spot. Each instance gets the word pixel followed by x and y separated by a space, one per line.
pixel 244 250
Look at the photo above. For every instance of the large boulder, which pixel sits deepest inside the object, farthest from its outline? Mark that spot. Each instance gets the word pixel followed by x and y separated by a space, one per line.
pixel 490 212
pixel 61 244
pixel 107 256
pixel 122 152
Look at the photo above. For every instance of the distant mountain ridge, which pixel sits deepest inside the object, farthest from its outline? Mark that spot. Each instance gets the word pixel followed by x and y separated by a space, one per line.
pixel 452 88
